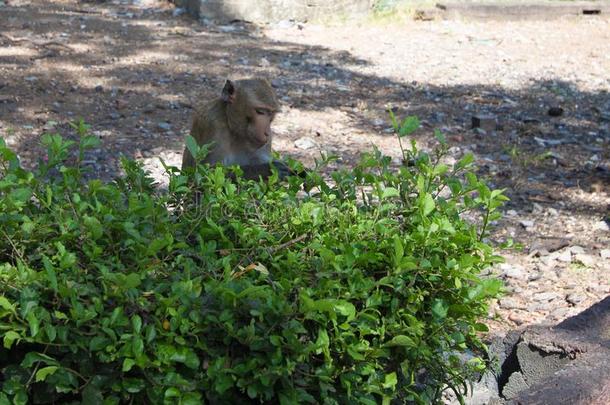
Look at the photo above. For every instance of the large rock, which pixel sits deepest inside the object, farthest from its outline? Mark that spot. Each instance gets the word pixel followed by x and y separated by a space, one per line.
pixel 265 11
pixel 564 364
pixel 541 365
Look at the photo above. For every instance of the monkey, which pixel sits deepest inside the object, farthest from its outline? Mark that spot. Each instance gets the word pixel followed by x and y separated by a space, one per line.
pixel 238 124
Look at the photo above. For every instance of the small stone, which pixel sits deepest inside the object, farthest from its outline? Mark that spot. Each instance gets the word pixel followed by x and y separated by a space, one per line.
pixel 526 223
pixel 378 122
pixel 164 126
pixel 545 296
pixel 561 313
pixel 517 319
pixel 178 12
pixel 575 298
pixel 577 250
pixel 565 256
pixel 601 226
pixel 509 303
pixel 485 122
pixel 99 88
pixel 555 111
pixel 264 62
pixel 585 259
pixel 605 253
pixel 512 271
pixel 305 143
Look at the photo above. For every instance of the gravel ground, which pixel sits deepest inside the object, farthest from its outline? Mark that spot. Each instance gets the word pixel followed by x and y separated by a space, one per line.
pixel 134 71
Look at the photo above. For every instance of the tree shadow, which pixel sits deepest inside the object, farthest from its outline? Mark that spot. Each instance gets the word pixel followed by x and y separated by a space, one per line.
pixel 135 75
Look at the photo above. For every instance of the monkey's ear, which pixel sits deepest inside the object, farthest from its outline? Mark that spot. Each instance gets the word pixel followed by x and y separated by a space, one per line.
pixel 228 92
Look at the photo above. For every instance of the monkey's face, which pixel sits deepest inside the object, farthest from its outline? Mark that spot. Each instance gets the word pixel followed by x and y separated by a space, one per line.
pixel 259 125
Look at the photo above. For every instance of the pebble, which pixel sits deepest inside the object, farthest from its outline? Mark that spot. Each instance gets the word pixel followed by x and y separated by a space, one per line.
pixel 585 259
pixel 575 298
pixel 305 143
pixel 510 303
pixel 577 250
pixel 605 253
pixel 545 296
pixel 178 12
pixel 601 226
pixel 164 126
pixel 561 313
pixel 526 223
pixel 565 256
pixel 517 319
pixel 512 271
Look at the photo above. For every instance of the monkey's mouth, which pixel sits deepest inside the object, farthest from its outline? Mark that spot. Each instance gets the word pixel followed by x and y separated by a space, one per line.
pixel 260 140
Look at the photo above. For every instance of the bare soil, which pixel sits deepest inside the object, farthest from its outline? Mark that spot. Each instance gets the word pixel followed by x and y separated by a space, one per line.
pixel 134 70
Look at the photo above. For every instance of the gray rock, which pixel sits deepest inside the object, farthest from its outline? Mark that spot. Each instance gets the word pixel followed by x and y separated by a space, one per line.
pixel 515 385
pixel 178 11
pixel 601 226
pixel 164 126
pixel 526 223
pixel 305 143
pixel 512 271
pixel 510 303
pixel 577 249
pixel 565 256
pixel 605 253
pixel 545 296
pixel 485 122
pixel 575 298
pixel 586 260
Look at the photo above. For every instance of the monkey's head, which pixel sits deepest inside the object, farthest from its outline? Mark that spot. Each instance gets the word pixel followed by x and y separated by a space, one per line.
pixel 251 107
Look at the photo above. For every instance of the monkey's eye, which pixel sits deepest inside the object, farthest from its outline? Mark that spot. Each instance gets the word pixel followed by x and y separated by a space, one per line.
pixel 260 111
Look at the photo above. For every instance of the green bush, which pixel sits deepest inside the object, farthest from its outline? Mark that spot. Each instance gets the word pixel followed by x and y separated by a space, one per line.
pixel 364 289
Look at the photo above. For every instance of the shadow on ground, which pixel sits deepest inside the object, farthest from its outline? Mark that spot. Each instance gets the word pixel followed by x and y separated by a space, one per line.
pixel 135 75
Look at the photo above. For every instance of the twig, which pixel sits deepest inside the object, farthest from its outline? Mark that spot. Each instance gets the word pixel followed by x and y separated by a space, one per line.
pixel 287 244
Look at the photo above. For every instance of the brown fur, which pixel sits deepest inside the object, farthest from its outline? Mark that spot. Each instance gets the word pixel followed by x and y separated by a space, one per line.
pixel 239 125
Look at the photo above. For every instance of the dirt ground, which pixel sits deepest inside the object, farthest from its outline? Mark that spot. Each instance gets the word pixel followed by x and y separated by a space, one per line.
pixel 135 69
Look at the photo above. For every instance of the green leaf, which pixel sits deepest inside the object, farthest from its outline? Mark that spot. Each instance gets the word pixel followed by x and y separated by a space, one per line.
pixel 191 145
pixel 408 126
pixel 427 205
pixel 51 276
pixel 440 137
pixel 133 385
pixel 94 226
pixel 34 323
pixel 44 372
pixel 33 357
pixel 465 161
pixel 401 340
pixel 132 280
pixel 346 309
pixel 98 343
pixel 389 192
pixel 90 142
pixel 128 363
pixel 439 309
pixel 6 304
pixel 137 346
pixel 136 323
pixel 10 337
pixel 390 381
